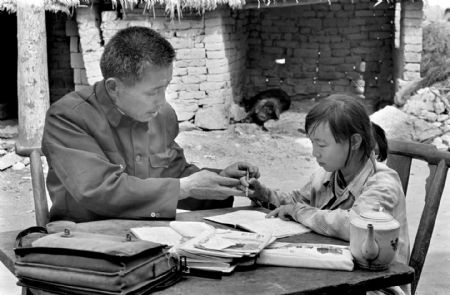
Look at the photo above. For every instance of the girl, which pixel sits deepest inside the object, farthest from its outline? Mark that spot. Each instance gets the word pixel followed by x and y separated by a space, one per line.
pixel 350 180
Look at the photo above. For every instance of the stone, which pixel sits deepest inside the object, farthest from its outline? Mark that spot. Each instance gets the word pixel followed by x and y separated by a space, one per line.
pixel 187 126
pixel 395 123
pixel 424 131
pixel 9 131
pixel 237 112
pixel 18 166
pixel 428 116
pixel 212 118
pixel 185 109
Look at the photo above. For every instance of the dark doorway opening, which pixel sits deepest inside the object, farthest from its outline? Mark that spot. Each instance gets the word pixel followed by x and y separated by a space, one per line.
pixel 8 52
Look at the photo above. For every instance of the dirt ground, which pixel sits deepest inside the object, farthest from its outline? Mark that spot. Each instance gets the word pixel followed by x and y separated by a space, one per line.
pixel 283 155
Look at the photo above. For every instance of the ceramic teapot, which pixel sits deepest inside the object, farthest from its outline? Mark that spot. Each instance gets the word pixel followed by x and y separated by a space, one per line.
pixel 373 239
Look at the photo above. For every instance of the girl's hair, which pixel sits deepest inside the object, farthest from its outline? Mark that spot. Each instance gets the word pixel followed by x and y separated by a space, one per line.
pixel 346 116
pixel 381 141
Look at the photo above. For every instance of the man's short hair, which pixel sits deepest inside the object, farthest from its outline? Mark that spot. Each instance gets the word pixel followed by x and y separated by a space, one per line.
pixel 130 50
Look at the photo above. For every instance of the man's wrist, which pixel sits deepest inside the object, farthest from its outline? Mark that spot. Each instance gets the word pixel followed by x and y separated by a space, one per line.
pixel 184 188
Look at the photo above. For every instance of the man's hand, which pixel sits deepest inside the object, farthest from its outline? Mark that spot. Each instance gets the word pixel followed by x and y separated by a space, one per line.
pixel 285 212
pixel 257 191
pixel 239 169
pixel 209 186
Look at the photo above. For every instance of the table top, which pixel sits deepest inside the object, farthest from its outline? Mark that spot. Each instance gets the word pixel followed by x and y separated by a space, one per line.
pixel 255 280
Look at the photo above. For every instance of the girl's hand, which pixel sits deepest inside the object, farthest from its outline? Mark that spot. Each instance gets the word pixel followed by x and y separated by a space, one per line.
pixel 285 212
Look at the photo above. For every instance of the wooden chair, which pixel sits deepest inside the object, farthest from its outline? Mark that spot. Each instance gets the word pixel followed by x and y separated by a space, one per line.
pixel 38 184
pixel 400 155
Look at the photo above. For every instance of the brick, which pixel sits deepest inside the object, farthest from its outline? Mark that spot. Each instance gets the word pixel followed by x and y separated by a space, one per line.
pixel 410 76
pixel 412 67
pixel 192 79
pixel 196 70
pixel 218 77
pixel 71 28
pixel 413 57
pixel 74 45
pixel 206 86
pixel 193 53
pixel 191 94
pixel 181 43
pixel 413 48
pixel 76 60
pixel 180 71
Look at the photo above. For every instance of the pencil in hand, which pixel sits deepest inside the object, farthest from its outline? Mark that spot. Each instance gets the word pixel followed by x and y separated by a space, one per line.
pixel 246 188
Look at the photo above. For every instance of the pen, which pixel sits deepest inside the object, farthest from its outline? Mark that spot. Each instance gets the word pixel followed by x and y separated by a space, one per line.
pixel 246 188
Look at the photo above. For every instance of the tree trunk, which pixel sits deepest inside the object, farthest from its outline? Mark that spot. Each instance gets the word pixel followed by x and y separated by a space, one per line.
pixel 32 74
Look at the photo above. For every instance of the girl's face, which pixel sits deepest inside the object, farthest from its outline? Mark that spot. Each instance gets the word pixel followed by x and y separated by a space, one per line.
pixel 330 154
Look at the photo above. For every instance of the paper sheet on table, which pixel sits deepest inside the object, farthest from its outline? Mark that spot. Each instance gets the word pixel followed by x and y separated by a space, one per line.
pixel 173 234
pixel 162 235
pixel 256 221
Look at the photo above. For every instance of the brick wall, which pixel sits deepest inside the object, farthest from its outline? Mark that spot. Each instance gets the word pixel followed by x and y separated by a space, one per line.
pixel 59 70
pixel 410 39
pixel 224 56
pixel 209 65
pixel 342 47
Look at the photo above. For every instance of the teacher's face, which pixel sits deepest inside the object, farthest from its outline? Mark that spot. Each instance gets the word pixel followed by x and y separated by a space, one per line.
pixel 142 100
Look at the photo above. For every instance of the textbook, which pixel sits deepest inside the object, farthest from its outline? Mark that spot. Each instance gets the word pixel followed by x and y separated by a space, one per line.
pixel 323 256
pixel 222 250
pixel 204 247
pixel 256 221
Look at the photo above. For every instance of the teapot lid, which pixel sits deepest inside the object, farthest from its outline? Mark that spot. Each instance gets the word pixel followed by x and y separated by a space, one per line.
pixel 380 219
pixel 377 216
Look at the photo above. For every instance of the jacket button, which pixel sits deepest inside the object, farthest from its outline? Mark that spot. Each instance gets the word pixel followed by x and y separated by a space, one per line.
pixel 138 158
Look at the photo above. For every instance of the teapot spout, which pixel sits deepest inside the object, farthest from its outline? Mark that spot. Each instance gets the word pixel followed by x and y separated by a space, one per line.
pixel 370 248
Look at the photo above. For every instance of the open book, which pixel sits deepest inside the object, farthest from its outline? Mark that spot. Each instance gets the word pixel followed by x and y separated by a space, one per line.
pixel 256 221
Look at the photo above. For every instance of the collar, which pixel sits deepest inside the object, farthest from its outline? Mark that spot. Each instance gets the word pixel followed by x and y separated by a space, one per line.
pixel 112 113
pixel 355 186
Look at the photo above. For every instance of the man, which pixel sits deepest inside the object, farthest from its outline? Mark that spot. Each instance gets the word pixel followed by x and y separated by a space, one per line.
pixel 111 149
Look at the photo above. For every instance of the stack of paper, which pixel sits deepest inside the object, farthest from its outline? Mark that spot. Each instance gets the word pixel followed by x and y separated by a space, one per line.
pixel 324 256
pixel 220 250
pixel 205 247
pixel 256 221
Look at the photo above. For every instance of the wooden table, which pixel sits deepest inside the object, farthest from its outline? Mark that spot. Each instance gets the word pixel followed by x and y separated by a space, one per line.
pixel 258 280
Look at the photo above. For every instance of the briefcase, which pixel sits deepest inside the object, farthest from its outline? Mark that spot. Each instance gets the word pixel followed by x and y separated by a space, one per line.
pixel 87 263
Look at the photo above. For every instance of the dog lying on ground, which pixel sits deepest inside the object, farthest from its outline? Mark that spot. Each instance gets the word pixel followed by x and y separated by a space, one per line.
pixel 266 105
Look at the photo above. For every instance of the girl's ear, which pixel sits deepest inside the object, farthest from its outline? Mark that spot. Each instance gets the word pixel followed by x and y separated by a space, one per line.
pixel 355 141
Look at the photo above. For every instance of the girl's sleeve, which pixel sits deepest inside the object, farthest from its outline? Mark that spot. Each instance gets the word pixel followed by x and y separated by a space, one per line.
pixel 381 189
pixel 278 198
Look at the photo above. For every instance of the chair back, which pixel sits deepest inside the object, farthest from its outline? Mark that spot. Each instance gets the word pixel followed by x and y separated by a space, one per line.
pixel 38 184
pixel 400 155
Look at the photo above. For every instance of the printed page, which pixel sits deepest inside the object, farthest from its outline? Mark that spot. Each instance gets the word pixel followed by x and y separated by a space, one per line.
pixel 323 256
pixel 256 221
pixel 162 235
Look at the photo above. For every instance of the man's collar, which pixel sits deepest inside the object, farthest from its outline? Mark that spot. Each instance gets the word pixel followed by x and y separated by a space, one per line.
pixel 112 113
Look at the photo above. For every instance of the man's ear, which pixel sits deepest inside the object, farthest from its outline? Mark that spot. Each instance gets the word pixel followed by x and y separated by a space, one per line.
pixel 355 141
pixel 112 86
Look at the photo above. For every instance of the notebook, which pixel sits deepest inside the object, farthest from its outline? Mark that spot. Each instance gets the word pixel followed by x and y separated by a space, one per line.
pixel 256 221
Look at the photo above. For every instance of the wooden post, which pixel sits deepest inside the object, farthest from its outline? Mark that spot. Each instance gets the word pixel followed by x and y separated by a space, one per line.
pixel 32 74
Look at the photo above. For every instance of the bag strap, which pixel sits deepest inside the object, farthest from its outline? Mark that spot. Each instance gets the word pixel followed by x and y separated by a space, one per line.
pixel 25 232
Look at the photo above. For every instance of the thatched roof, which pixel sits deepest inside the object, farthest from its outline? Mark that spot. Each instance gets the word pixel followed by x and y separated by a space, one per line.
pixel 171 5
pixel 51 5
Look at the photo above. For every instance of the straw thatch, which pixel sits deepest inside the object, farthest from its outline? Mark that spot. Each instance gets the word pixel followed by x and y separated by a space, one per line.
pixel 51 5
pixel 171 6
